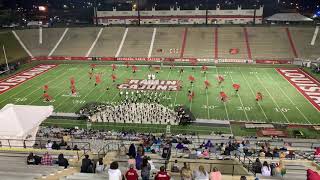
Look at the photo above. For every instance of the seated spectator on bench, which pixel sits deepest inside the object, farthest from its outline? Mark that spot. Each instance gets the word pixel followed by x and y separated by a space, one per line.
pixel 175 167
pixel 256 166
pixel 114 171
pixel 49 145
pixel 179 146
pixel 62 161
pixel 131 174
pixel 186 173
pixel 46 159
pixel 55 146
pixel 33 159
pixel 87 165
pixel 215 174
pixel 75 148
pixel 279 169
pixel 201 174
pixel 100 166
pixel 162 174
pixel 265 170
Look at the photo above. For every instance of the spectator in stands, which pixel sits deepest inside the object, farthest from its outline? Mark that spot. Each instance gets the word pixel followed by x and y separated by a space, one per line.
pixel 215 174
pixel 100 166
pixel 205 153
pixel 208 144
pixel 75 148
pixel 62 143
pixel 87 165
pixel 122 150
pixel 201 174
pixel 140 150
pixel 265 170
pixel 186 173
pixel 175 167
pixel 132 151
pixel 279 169
pixel 114 171
pixel 46 159
pixel 138 161
pixel 244 178
pixel 49 145
pixel 257 166
pixel 55 146
pixel 131 161
pixel 31 159
pixel 162 174
pixel 68 148
pixel 145 169
pixel 179 146
pixel 62 161
pixel 131 174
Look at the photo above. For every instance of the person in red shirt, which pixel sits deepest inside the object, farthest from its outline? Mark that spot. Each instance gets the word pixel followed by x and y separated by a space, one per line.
pixel 132 174
pixel 162 174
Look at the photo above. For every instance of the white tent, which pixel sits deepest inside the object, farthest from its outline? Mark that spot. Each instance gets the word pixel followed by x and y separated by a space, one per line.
pixel 21 122
pixel 288 17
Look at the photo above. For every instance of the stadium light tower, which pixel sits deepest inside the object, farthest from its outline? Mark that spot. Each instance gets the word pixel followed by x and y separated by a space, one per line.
pixel 138 8
pixel 206 12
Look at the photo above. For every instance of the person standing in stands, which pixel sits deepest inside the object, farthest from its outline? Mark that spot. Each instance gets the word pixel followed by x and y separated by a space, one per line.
pixel 162 174
pixel 256 166
pixel 132 151
pixel 132 174
pixel 49 145
pixel 114 171
pixel 100 166
pixel 265 170
pixel 46 159
pixel 186 173
pixel 215 174
pixel 87 165
pixel 62 161
pixel 145 169
pixel 201 174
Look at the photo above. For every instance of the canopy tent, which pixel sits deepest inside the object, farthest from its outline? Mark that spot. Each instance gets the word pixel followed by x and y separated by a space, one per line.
pixel 21 122
pixel 288 17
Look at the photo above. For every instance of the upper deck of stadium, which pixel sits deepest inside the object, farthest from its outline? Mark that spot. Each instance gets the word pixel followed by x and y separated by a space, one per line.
pixel 172 42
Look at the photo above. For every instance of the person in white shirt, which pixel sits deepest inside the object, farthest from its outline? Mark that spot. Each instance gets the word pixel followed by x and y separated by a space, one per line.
pixel 49 145
pixel 265 170
pixel 201 174
pixel 114 172
pixel 100 166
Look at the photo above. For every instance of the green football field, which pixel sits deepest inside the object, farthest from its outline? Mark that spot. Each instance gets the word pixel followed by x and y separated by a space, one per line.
pixel 282 103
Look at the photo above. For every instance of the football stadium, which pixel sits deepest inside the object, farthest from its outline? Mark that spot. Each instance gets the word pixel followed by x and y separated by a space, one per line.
pixel 206 93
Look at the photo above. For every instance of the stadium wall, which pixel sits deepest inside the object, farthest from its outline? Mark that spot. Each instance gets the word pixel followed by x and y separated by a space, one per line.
pixel 172 16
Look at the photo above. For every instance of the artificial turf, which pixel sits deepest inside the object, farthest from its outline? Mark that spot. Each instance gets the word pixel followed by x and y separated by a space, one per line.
pixel 282 103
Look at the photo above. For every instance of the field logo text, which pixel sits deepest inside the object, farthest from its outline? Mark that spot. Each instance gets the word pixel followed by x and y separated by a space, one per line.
pixel 151 85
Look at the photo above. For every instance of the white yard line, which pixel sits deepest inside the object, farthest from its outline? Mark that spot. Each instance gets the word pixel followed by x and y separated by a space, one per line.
pixel 94 43
pixel 61 38
pixel 314 38
pixel 22 44
pixel 245 112
pixel 40 35
pixel 225 106
pixel 272 98
pixel 253 93
pixel 288 97
pixel 152 42
pixel 207 99
pixel 122 42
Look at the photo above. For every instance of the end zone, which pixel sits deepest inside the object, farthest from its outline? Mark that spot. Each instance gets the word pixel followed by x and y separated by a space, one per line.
pixel 304 83
pixel 17 79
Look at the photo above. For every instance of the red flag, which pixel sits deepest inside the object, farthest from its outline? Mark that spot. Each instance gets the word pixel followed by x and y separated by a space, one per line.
pixel 72 81
pixel 134 68
pixel 73 90
pixel 220 78
pixel 45 87
pixel 207 83
pixel 113 77
pixel 191 78
pixel 114 67
pixel 236 86
pixel 204 68
pixel 98 79
pixel 223 94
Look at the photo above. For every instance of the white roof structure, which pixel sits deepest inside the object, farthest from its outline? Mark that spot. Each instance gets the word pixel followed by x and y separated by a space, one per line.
pixel 20 121
pixel 288 17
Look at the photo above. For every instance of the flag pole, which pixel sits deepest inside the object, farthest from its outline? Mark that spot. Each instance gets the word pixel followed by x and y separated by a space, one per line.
pixel 5 57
